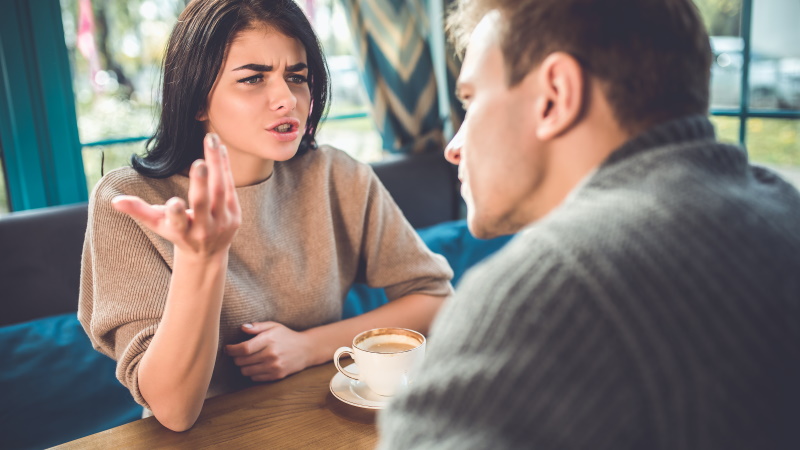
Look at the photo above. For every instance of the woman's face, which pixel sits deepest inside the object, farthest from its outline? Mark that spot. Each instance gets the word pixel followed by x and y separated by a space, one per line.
pixel 260 101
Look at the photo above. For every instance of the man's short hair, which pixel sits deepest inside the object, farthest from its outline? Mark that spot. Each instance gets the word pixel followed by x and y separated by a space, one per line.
pixel 652 57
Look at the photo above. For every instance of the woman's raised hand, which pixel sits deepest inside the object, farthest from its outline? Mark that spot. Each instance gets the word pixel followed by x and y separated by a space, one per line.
pixel 209 226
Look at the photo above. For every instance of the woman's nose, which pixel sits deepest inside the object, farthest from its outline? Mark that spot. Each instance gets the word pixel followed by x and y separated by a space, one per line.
pixel 281 96
pixel 452 153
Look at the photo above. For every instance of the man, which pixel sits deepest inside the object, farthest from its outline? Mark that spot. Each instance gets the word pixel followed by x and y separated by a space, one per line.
pixel 651 299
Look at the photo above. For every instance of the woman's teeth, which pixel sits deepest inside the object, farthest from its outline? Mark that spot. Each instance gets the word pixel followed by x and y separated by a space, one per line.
pixel 285 128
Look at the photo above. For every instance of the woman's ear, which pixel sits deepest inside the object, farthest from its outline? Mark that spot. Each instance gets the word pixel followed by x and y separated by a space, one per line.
pixel 201 115
pixel 560 85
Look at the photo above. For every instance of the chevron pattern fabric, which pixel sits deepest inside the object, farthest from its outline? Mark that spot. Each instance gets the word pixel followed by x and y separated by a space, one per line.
pixel 391 37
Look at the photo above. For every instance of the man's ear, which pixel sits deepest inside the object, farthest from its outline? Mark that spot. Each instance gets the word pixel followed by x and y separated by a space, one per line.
pixel 560 86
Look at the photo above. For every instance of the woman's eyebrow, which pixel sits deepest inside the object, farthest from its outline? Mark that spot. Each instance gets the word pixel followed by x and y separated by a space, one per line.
pixel 297 67
pixel 264 68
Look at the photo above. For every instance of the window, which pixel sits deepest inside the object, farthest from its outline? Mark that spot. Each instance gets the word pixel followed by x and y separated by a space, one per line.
pixel 754 46
pixel 116 80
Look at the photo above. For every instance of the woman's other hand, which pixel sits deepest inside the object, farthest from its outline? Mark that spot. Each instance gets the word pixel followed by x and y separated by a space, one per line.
pixel 274 351
pixel 209 226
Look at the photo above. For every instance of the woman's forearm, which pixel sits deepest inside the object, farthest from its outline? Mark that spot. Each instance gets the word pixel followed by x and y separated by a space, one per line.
pixel 175 371
pixel 414 311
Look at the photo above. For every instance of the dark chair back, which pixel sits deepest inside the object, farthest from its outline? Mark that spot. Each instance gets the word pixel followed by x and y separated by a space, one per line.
pixel 40 255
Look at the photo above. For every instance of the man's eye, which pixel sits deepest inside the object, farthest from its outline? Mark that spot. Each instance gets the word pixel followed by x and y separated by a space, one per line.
pixel 252 80
pixel 298 79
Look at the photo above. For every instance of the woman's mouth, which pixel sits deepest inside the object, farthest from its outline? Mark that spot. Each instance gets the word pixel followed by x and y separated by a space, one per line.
pixel 285 130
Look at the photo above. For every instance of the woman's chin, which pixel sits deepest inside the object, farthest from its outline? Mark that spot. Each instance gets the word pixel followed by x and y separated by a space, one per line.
pixel 282 151
pixel 285 154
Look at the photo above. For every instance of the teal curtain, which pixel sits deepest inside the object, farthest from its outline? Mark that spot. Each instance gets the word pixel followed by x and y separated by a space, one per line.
pixel 392 43
pixel 39 140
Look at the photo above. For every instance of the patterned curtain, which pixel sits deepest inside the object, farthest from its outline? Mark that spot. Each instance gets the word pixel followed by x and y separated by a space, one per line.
pixel 393 46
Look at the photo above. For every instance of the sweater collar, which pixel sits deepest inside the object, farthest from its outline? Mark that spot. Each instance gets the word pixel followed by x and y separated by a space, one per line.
pixel 684 129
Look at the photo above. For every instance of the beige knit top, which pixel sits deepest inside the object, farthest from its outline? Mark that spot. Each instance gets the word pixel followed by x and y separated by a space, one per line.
pixel 317 225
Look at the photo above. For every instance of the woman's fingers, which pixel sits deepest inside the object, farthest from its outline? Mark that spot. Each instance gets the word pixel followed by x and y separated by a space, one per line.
pixel 231 198
pixel 198 193
pixel 264 356
pixel 216 175
pixel 176 215
pixel 169 221
pixel 249 347
pixel 140 210
pixel 209 225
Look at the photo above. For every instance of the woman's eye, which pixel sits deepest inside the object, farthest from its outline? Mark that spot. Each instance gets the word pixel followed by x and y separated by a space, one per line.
pixel 298 79
pixel 252 80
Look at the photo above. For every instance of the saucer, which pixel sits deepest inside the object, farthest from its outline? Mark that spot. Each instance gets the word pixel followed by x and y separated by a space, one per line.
pixel 354 392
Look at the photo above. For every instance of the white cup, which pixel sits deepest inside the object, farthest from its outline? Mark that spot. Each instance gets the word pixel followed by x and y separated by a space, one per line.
pixel 387 358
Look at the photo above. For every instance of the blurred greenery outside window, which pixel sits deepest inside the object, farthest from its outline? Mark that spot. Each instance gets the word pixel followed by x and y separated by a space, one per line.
pixel 117 85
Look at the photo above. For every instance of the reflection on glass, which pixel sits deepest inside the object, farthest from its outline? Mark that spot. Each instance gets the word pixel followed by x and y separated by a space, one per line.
pixel 775 66
pixel 726 72
pixel 103 159
pixel 3 192
pixel 727 128
pixel 776 143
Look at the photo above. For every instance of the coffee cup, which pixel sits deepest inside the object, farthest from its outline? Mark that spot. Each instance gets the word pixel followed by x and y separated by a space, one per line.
pixel 387 358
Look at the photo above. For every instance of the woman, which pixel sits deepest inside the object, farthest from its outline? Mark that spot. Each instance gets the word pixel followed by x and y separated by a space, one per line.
pixel 203 275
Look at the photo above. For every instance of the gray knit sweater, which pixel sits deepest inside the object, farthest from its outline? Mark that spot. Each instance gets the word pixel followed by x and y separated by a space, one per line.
pixel 658 308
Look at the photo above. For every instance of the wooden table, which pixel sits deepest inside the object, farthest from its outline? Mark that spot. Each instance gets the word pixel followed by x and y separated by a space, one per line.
pixel 297 412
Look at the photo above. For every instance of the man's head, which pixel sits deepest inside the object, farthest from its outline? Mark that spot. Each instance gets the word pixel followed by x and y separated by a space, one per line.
pixel 552 86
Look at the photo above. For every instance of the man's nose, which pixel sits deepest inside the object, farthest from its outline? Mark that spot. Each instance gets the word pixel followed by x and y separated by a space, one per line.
pixel 452 153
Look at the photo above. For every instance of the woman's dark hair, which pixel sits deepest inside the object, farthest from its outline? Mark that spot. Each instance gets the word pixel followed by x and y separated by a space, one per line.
pixel 194 57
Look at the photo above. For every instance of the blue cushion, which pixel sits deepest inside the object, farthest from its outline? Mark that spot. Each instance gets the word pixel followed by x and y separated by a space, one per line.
pixel 55 387
pixel 451 240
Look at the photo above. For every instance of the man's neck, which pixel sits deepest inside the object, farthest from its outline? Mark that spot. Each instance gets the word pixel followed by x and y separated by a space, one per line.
pixel 579 152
